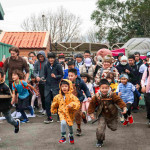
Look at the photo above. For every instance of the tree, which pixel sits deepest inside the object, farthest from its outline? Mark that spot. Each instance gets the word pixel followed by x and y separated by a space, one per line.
pixel 62 25
pixel 122 20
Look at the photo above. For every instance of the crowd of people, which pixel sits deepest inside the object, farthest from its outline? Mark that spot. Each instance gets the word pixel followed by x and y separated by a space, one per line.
pixel 80 88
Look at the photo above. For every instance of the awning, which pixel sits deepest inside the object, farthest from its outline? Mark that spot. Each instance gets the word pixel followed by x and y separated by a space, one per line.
pixel 1 13
pixel 117 51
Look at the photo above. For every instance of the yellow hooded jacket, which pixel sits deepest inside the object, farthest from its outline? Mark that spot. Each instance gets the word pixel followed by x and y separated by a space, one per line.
pixel 65 113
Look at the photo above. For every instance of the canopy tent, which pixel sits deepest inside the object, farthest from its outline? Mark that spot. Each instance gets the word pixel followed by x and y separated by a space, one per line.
pixel 117 51
pixel 141 45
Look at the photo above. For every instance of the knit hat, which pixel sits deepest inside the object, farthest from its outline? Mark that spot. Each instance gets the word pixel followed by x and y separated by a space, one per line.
pixel 124 58
pixel 87 62
pixel 124 75
pixel 61 56
pixel 107 58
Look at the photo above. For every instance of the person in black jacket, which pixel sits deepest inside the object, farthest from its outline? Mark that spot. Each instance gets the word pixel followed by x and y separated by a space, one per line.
pixel 78 88
pixel 135 80
pixel 138 61
pixel 5 102
pixel 53 73
pixel 123 66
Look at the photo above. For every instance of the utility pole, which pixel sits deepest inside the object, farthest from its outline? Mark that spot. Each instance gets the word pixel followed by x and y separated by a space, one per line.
pixel 43 16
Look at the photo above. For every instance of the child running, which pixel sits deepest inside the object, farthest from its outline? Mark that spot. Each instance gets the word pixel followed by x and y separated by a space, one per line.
pixel 23 95
pixel 125 91
pixel 106 110
pixel 66 104
pixel 35 84
pixel 5 102
pixel 85 104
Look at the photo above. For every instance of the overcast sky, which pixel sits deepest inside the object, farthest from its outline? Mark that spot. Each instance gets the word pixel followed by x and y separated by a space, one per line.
pixel 17 10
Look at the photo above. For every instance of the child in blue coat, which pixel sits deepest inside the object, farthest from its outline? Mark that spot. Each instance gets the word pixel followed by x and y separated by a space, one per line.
pixel 125 91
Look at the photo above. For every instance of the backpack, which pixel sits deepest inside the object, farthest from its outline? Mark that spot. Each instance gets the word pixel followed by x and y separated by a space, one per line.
pixel 21 84
pixel 102 69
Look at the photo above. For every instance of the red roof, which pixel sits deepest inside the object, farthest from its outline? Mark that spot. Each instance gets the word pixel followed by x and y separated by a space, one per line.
pixel 25 39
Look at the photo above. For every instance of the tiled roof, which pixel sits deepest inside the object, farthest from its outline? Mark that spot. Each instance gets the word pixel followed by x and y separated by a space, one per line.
pixel 25 39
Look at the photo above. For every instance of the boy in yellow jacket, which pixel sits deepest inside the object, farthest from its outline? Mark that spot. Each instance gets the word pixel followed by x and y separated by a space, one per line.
pixel 67 104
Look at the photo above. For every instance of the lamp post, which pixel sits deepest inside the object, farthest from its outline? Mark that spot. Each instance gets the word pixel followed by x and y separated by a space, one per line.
pixel 43 16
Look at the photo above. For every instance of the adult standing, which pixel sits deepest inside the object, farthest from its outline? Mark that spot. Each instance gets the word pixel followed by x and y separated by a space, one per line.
pixel 119 58
pixel 138 61
pixel 15 62
pixel 53 73
pixel 39 74
pixel 61 60
pixel 32 58
pixel 106 68
pixel 78 60
pixel 87 67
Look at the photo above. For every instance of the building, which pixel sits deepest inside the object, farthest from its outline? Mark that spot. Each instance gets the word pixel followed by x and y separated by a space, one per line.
pixel 27 41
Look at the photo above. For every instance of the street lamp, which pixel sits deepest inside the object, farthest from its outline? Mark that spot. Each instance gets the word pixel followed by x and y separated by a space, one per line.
pixel 43 16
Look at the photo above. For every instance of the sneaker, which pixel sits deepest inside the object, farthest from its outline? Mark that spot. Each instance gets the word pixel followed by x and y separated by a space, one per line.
pixel 32 111
pixel 25 121
pixel 125 122
pixel 99 144
pixel 44 112
pixel 84 117
pixel 48 120
pixel 17 128
pixel 130 118
pixel 41 110
pixel 122 119
pixel 89 119
pixel 71 139
pixel 78 132
pixel 62 140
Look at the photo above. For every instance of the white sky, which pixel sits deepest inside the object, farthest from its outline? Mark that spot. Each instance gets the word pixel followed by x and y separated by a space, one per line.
pixel 18 10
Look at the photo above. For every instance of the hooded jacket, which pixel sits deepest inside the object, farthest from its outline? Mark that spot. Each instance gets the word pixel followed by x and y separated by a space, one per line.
pixel 39 66
pixel 5 97
pixel 60 103
pixel 121 68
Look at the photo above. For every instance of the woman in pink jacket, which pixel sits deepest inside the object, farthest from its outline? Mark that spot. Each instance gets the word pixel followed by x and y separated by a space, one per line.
pixel 145 83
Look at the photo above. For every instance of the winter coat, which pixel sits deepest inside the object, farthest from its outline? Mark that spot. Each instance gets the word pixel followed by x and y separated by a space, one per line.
pixel 5 97
pixel 105 105
pixel 121 68
pixel 39 67
pixel 79 88
pixel 90 70
pixel 52 83
pixel 65 113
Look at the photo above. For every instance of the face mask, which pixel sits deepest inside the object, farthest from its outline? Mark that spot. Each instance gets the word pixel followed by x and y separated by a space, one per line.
pixel 123 63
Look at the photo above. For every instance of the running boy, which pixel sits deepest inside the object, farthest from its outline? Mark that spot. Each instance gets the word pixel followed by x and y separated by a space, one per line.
pixel 5 103
pixel 23 98
pixel 107 112
pixel 78 88
pixel 66 104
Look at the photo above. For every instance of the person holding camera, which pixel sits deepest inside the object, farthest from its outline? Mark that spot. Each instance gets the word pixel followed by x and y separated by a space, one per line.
pixel 53 74
pixel 39 74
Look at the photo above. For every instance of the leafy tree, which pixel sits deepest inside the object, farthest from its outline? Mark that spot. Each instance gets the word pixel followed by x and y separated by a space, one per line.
pixel 121 20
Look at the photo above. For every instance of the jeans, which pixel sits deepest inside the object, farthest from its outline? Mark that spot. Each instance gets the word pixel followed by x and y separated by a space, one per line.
pixel 48 101
pixel 63 128
pixel 9 118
